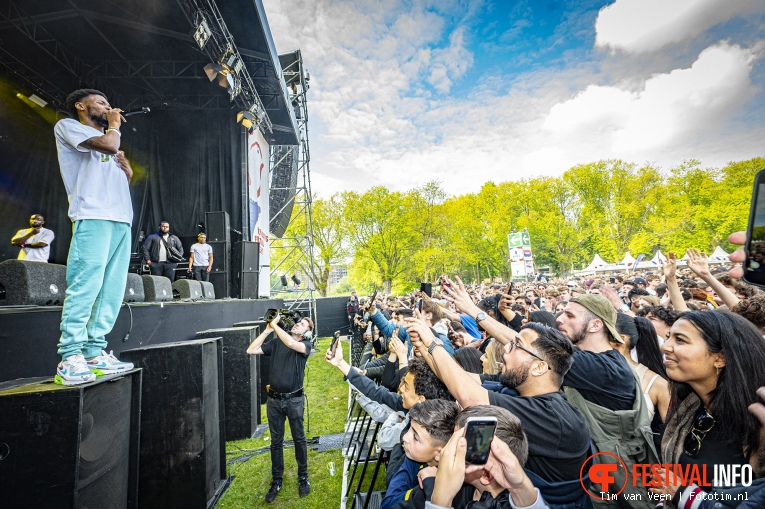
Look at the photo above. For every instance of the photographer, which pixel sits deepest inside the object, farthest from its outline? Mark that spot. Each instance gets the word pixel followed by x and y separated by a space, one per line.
pixel 285 396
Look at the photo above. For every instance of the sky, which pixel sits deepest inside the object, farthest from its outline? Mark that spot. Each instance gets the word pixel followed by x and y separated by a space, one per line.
pixel 471 91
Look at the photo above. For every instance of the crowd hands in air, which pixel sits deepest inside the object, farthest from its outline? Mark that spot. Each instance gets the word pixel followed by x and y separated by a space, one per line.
pixel 661 368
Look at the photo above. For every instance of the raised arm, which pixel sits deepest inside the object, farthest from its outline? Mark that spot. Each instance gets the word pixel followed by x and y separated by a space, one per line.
pixel 287 339
pixel 699 264
pixel 670 275
pixel 461 298
pixel 255 346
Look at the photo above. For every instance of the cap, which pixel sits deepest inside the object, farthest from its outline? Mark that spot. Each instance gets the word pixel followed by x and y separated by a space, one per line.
pixel 640 281
pixel 603 309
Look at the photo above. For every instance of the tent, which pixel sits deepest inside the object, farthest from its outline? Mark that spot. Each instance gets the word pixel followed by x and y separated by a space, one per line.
pixel 655 262
pixel 597 264
pixel 719 256
pixel 627 262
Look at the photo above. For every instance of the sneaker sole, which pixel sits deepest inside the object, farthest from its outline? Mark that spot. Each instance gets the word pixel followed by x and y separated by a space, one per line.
pixel 58 379
pixel 108 371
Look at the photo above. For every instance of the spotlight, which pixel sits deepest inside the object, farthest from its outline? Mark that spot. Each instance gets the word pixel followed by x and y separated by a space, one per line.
pixel 295 279
pixel 219 74
pixel 284 280
pixel 202 33
pixel 248 118
pixel 38 100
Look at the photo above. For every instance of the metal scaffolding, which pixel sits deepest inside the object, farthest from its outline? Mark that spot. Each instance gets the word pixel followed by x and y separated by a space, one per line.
pixel 291 223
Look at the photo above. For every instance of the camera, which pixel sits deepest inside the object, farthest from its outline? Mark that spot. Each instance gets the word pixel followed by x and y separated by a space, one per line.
pixel 287 318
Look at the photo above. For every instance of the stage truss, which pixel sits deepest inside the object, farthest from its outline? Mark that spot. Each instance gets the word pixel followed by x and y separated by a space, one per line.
pixel 291 223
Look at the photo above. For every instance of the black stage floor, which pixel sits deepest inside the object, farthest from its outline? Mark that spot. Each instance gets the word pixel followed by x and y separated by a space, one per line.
pixel 29 335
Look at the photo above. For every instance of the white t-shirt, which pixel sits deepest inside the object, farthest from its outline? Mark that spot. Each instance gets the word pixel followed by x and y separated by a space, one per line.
pixel 95 184
pixel 201 254
pixel 32 254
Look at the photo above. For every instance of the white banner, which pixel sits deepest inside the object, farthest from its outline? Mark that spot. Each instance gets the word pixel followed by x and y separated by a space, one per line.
pixel 258 186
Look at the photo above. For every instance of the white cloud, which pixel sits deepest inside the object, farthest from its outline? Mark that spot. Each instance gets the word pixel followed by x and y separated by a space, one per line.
pixel 638 26
pixel 380 113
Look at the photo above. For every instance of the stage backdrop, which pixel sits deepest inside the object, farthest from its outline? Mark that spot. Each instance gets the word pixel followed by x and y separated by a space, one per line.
pixel 258 180
pixel 185 163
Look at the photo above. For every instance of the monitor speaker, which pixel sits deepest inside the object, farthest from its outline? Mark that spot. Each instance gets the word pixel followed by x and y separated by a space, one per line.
pixel 133 288
pixel 217 227
pixel 157 288
pixel 70 446
pixel 24 283
pixel 187 289
pixel 241 394
pixel 182 448
pixel 245 260
pixel 208 290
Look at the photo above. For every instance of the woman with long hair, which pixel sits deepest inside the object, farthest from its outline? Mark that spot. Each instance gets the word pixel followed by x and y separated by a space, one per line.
pixel 638 333
pixel 715 362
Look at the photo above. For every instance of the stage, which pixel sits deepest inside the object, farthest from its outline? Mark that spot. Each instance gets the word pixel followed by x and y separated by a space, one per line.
pixel 29 334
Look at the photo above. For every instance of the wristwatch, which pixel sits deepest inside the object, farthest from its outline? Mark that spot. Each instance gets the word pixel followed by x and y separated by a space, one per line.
pixel 624 308
pixel 436 342
pixel 480 317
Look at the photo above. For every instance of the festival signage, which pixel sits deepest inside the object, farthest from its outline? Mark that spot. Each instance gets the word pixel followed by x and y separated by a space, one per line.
pixel 521 258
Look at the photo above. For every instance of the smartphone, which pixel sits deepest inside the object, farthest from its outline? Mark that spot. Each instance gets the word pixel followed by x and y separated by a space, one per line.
pixel 509 289
pixel 372 298
pixel 427 289
pixel 754 266
pixel 333 345
pixel 479 432
pixel 419 305
pixel 612 280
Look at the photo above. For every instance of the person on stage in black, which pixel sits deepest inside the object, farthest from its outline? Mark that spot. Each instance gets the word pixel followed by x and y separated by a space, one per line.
pixel 157 252
pixel 285 396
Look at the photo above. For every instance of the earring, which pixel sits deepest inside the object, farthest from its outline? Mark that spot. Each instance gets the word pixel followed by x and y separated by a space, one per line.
pixel 718 370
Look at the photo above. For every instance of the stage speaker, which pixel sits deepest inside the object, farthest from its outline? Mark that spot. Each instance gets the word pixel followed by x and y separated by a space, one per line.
pixel 70 446
pixel 221 282
pixel 241 399
pixel 182 451
pixel 157 288
pixel 187 289
pixel 221 257
pixel 217 227
pixel 208 290
pixel 24 283
pixel 245 258
pixel 133 288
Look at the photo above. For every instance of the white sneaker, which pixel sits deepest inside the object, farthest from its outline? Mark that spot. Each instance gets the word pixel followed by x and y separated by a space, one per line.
pixel 107 363
pixel 73 371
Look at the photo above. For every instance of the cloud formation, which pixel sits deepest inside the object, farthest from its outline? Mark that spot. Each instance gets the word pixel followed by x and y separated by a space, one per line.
pixel 399 95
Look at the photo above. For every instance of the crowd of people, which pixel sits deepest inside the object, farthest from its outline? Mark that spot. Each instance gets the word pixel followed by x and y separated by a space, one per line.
pixel 663 372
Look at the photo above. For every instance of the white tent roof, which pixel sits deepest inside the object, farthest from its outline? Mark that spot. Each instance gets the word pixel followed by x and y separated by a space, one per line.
pixel 654 262
pixel 596 263
pixel 719 256
pixel 627 261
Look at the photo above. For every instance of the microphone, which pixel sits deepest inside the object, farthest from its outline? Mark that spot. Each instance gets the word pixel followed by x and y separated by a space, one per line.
pixel 145 109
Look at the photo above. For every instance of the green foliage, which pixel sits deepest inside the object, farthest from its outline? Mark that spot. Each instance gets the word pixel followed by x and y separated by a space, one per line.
pixel 606 207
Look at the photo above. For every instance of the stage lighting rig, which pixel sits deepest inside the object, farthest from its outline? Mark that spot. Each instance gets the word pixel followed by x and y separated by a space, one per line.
pixel 202 33
pixel 283 280
pixel 295 279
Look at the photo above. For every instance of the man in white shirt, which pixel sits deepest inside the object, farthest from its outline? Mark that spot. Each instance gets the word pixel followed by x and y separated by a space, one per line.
pixel 96 176
pixel 201 258
pixel 34 242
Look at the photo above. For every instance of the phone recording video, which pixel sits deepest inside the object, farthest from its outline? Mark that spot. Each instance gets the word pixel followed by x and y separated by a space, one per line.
pixel 754 266
pixel 479 432
pixel 333 345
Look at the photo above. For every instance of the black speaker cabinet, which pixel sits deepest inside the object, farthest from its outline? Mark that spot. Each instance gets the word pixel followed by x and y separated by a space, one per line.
pixel 157 288
pixel 183 453
pixel 221 282
pixel 73 447
pixel 208 290
pixel 241 395
pixel 24 283
pixel 133 288
pixel 217 227
pixel 221 257
pixel 187 289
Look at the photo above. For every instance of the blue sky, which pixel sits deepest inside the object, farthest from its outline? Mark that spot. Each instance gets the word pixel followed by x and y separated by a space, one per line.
pixel 467 91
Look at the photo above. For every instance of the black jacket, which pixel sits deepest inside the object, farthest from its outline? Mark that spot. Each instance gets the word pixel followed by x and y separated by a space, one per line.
pixel 152 243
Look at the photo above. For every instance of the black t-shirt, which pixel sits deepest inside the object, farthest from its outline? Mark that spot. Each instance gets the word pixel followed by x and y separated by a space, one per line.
pixel 605 379
pixel 287 366
pixel 559 441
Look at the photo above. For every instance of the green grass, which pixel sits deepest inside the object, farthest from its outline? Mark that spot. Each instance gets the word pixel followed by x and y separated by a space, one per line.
pixel 327 404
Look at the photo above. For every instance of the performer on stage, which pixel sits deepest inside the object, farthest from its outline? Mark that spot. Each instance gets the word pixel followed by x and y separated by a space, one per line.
pixel 285 396
pixel 156 251
pixel 96 176
pixel 201 258
pixel 34 242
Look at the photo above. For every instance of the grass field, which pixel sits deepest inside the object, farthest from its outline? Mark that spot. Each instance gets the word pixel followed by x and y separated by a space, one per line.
pixel 327 404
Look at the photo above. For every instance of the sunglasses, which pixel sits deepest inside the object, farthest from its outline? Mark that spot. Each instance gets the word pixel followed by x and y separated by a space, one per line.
pixel 703 424
pixel 514 344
